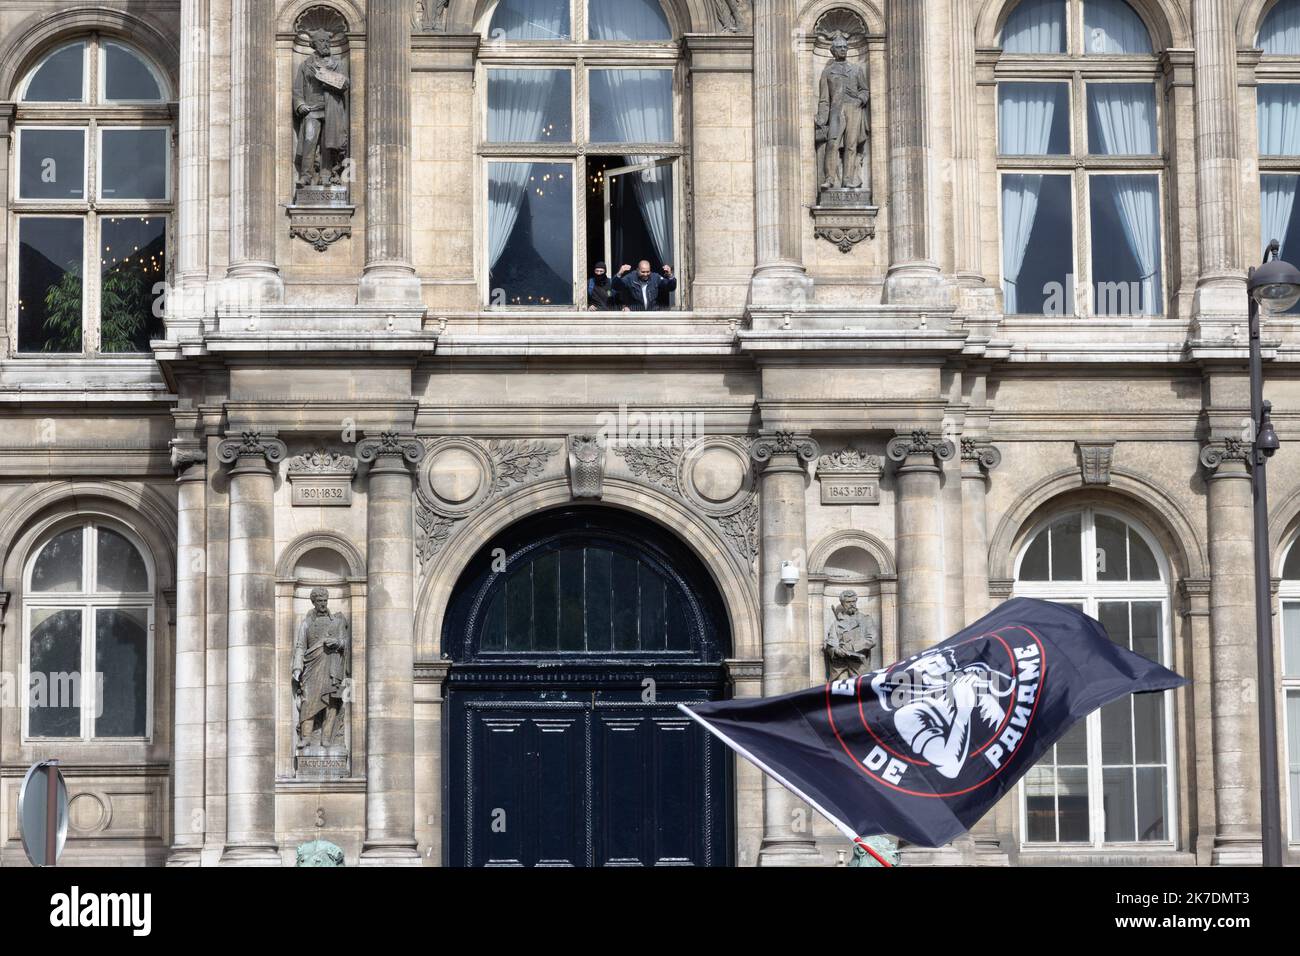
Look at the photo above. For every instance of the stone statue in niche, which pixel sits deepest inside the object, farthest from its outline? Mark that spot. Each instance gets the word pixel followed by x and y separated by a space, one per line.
pixel 321 212
pixel 320 111
pixel 843 212
pixel 322 674
pixel 849 639
pixel 842 125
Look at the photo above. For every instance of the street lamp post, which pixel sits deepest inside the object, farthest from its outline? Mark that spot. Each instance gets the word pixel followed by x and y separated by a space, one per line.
pixel 1274 286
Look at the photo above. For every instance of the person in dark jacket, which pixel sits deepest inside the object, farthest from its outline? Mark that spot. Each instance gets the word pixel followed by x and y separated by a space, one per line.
pixel 641 289
pixel 602 293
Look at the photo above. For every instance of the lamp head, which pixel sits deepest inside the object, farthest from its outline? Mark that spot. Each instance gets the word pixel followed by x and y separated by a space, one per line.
pixel 1275 285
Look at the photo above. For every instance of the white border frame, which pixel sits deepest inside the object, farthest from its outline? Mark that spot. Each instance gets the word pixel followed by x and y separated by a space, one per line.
pixel 114 201
pixel 101 94
pixel 89 601
pixel 86 42
pixel 1089 592
pixel 20 131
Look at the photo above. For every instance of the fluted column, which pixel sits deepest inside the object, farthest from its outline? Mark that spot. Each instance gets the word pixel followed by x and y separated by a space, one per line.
pixel 1233 676
pixel 978 458
pixel 1220 286
pixel 252 277
pixel 188 750
pixel 787 820
pixel 185 303
pixel 250 652
pixel 920 544
pixel 390 651
pixel 779 276
pixel 913 275
pixel 965 145
pixel 389 275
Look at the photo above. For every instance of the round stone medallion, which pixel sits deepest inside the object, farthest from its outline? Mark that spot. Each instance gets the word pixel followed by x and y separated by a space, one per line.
pixel 455 475
pixel 718 474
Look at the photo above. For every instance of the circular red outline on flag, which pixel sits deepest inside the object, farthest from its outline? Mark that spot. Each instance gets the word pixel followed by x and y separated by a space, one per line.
pixel 955 793
pixel 1011 658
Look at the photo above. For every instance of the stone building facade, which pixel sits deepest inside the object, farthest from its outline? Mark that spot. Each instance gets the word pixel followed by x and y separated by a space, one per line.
pixel 959 313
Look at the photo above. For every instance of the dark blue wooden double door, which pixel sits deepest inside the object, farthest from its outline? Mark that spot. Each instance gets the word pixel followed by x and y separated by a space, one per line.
pixel 584 778
pixel 565 746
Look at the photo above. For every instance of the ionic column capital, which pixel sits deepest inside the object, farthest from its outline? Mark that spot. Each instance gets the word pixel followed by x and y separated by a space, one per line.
pixel 783 448
pixel 980 456
pixel 918 443
pixel 390 449
pixel 1232 452
pixel 186 453
pixel 251 446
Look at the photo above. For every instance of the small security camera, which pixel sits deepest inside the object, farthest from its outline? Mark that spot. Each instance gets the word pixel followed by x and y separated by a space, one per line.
pixel 789 573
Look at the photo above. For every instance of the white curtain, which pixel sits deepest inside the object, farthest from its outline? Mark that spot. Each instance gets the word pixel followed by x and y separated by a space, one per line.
pixel 518 101
pixel 653 190
pixel 1279 119
pixel 1025 112
pixel 1122 117
pixel 506 182
pixel 1111 26
pixel 530 20
pixel 1019 208
pixel 1276 200
pixel 1035 26
pixel 627 20
pixel 631 106
pixel 1280 32
pixel 1137 200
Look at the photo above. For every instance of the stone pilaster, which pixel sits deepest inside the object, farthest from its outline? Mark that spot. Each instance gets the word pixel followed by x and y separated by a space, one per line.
pixel 430 706
pixel 190 673
pixel 250 652
pixel 978 458
pixel 746 678
pixel 1233 678
pixel 965 145
pixel 389 275
pixel 913 275
pixel 185 304
pixel 779 276
pixel 920 543
pixel 787 820
pixel 253 278
pixel 1221 284
pixel 1196 612
pixel 390 650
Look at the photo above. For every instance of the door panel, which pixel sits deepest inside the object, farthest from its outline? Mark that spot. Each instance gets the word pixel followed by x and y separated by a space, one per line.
pixel 522 806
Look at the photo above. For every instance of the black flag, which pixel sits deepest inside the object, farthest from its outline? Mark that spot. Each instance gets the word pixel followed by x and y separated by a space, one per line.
pixel 925 747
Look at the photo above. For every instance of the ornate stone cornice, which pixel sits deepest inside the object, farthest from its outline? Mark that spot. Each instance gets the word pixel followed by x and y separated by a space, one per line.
pixel 322 462
pixel 1225 449
pixel 251 445
pixel 919 442
pixel 981 453
pixel 390 444
pixel 767 447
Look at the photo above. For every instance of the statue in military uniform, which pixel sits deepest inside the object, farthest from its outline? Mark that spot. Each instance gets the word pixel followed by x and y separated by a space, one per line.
pixel 842 124
pixel 849 640
pixel 321 669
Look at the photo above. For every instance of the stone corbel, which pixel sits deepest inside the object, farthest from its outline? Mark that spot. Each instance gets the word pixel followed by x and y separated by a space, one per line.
pixel 919 443
pixel 586 465
pixel 251 445
pixel 6 119
pixel 844 217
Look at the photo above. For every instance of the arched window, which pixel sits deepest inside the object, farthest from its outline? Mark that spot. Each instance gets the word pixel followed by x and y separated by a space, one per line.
pixel 1289 595
pixel 89 623
pixel 1278 118
pixel 1109 780
pixel 1079 141
pixel 580 149
pixel 91 200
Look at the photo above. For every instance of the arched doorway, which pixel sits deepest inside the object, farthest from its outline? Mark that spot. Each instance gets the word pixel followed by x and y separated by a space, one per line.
pixel 574 634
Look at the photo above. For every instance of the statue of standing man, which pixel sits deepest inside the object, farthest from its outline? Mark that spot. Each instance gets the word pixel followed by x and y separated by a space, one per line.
pixel 842 124
pixel 321 668
pixel 849 640
pixel 320 115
